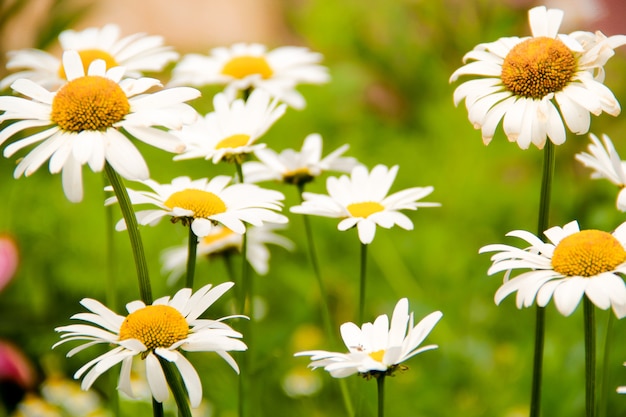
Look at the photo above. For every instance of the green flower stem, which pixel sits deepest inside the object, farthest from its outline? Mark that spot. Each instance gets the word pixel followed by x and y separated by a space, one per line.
pixel 380 382
pixel 316 270
pixel 604 387
pixel 345 394
pixel 246 306
pixel 157 408
pixel 362 282
pixel 176 385
pixel 590 357
pixel 542 225
pixel 133 233
pixel 192 247
pixel 111 289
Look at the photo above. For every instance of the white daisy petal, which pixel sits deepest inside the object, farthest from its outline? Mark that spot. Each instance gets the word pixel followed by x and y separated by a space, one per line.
pixel 575 264
pixel 377 347
pixel 361 200
pixel 508 82
pixel 138 334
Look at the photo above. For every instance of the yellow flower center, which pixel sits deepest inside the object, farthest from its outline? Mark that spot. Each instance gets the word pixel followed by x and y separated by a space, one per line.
pixel 243 66
pixel 87 56
pixel 89 103
pixel 588 253
pixel 155 326
pixel 223 233
pixel 364 209
pixel 537 67
pixel 378 355
pixel 234 141
pixel 202 203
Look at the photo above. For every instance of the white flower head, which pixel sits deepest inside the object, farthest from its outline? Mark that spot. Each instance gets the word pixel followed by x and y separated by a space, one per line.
pixel 138 53
pixel 295 167
pixel 523 80
pixel 232 130
pixel 361 200
pixel 154 332
pixel 377 347
pixel 571 265
pixel 605 163
pixel 251 66
pixel 221 240
pixel 85 120
pixel 206 203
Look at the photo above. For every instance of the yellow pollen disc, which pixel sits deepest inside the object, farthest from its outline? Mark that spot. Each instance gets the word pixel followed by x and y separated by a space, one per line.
pixel 224 233
pixel 202 203
pixel 588 253
pixel 234 141
pixel 364 209
pixel 243 66
pixel 155 326
pixel 87 56
pixel 537 67
pixel 89 103
pixel 378 355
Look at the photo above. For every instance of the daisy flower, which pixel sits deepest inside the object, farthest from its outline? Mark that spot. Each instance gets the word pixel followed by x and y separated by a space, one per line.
pixel 379 347
pixel 138 53
pixel 295 167
pixel 153 332
pixel 605 163
pixel 204 203
pixel 251 66
pixel 221 240
pixel 523 80
pixel 85 122
pixel 571 265
pixel 230 132
pixel 361 200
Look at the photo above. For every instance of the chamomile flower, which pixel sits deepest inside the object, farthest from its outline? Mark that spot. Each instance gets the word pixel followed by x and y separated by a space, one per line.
pixel 295 167
pixel 205 203
pixel 231 131
pixel 138 53
pixel 571 265
pixel 523 80
pixel 221 240
pixel 378 347
pixel 361 200
pixel 85 122
pixel 605 163
pixel 251 66
pixel 155 332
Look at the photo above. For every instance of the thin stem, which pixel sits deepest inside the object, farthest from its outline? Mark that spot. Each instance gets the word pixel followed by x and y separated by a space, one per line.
pixel 608 342
pixel 157 408
pixel 345 394
pixel 316 270
pixel 192 246
pixel 380 382
pixel 245 301
pixel 362 282
pixel 542 225
pixel 111 288
pixel 176 385
pixel 590 357
pixel 133 233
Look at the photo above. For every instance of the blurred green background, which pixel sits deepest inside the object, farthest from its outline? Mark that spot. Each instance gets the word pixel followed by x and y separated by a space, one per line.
pixel 390 99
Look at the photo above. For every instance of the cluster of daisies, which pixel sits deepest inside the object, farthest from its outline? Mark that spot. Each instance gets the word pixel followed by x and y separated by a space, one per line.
pixel 540 86
pixel 89 107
